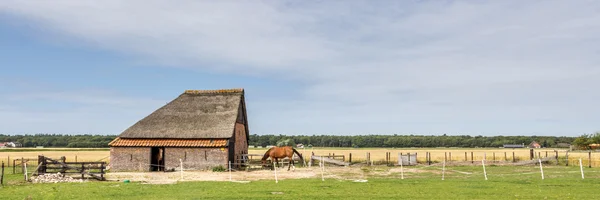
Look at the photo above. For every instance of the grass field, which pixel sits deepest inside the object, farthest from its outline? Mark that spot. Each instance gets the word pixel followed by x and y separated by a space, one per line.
pixel 358 155
pixel 421 182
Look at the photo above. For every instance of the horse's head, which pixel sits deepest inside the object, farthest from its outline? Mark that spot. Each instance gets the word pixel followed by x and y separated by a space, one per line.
pixel 264 163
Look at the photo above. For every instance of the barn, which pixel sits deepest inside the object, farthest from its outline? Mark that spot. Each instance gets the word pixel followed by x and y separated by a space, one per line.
pixel 200 128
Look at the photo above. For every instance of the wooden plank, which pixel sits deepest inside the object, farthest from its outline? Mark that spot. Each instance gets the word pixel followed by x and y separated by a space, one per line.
pixel 329 160
pixel 87 163
pixel 78 169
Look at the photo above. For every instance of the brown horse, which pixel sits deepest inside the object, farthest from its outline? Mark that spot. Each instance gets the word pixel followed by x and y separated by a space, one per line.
pixel 275 153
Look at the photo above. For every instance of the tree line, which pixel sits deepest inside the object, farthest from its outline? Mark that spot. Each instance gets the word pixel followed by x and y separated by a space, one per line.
pixel 585 140
pixel 407 140
pixel 59 140
pixel 85 141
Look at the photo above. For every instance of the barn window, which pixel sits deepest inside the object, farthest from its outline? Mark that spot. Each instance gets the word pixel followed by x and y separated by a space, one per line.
pixel 185 155
pixel 130 157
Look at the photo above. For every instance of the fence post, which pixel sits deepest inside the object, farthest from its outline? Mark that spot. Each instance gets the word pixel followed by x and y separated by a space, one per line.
pixel 514 160
pixel 466 156
pixel 350 158
pixel 531 154
pixel 428 157
pixel 82 170
pixel 505 158
pixel 581 168
pixel 25 170
pixel 567 157
pixel 445 156
pixel 401 158
pixel 590 159
pixel 2 176
pixel 472 158
pixel 541 168
pixel 484 172
pixel 102 171
pixel 41 165
pixel 416 158
pixel 494 156
pixel 387 158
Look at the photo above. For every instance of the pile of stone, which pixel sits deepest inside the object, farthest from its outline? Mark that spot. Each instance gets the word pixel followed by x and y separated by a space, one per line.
pixel 54 178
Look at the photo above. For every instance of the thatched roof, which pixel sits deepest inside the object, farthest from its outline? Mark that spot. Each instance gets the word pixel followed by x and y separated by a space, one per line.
pixel 194 114
pixel 123 142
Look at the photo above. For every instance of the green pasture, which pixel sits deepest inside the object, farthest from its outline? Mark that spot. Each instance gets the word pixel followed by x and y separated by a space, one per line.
pixel 420 182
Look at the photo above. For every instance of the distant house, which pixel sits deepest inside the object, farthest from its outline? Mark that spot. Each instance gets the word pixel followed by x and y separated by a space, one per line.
pixel 594 146
pixel 514 146
pixel 10 144
pixel 535 145
pixel 299 146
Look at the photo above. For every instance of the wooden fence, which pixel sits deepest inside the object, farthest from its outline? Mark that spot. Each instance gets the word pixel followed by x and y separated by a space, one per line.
pixel 21 163
pixel 590 158
pixel 94 170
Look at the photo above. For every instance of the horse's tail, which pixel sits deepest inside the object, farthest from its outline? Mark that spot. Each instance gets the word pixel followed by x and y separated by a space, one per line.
pixel 266 154
pixel 297 153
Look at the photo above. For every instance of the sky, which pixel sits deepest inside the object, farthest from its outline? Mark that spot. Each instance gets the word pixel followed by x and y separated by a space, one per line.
pixel 308 67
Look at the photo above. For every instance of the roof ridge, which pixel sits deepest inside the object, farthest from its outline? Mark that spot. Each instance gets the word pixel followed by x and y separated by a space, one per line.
pixel 217 91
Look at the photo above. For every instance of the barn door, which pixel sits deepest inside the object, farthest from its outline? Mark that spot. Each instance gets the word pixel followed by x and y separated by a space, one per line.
pixel 231 151
pixel 157 159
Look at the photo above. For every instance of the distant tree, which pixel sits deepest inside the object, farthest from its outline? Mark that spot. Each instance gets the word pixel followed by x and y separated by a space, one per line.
pixel 286 142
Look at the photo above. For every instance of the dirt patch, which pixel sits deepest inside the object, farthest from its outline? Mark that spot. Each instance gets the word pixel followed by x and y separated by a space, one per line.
pixel 349 173
pixel 343 173
pixel 239 176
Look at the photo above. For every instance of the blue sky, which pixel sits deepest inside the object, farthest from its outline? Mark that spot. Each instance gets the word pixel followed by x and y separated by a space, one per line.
pixel 308 67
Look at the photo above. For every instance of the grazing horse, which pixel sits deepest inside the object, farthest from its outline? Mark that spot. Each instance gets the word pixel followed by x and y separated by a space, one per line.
pixel 281 152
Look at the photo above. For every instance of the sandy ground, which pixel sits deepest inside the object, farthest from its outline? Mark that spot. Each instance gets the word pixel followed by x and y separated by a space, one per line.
pixel 352 173
pixel 239 176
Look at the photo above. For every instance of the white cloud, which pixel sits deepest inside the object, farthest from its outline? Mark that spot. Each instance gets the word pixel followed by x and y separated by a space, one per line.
pixel 365 62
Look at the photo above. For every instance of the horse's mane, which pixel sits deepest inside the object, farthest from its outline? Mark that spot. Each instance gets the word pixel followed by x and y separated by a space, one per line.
pixel 297 153
pixel 267 154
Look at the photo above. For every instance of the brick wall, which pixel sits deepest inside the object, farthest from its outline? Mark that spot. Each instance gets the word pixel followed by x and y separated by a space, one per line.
pixel 195 158
pixel 129 159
